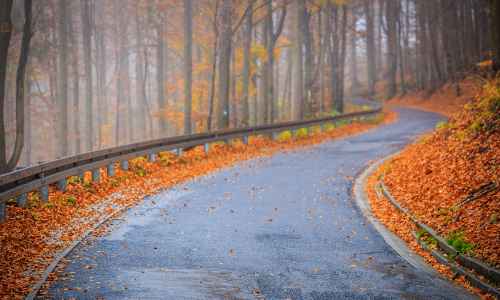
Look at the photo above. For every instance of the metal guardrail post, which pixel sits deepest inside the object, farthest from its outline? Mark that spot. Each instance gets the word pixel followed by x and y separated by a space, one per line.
pixel 32 178
pixel 44 193
pixel 3 212
pixel 124 165
pixel 96 175
pixel 62 184
pixel 22 200
pixel 151 157
pixel 110 170
pixel 274 135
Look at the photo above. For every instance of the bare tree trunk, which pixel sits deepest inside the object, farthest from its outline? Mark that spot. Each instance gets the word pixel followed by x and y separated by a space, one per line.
pixel 10 164
pixel 63 77
pixel 76 86
pixel 341 79
pixel 370 47
pixel 101 62
pixel 160 76
pixel 353 55
pixel 224 64
pixel 5 35
pixel 298 73
pixel 495 21
pixel 188 65
pixel 140 88
pixel 214 69
pixel 392 14
pixel 87 61
pixel 247 43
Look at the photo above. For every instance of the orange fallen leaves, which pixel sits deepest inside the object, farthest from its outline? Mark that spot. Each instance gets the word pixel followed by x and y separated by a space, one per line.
pixel 433 175
pixel 444 101
pixel 30 238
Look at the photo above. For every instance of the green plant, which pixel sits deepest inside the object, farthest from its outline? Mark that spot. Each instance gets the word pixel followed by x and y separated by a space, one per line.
pixel 421 233
pixel 71 200
pixel 315 129
pixel 442 125
pixel 457 241
pixel 493 219
pixel 74 180
pixel 301 133
pixel 342 123
pixel 333 113
pixel 285 136
pixel 48 205
pixel 140 171
pixel 329 126
pixel 114 182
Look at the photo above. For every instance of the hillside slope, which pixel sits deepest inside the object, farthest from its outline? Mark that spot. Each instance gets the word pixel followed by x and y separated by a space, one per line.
pixel 449 179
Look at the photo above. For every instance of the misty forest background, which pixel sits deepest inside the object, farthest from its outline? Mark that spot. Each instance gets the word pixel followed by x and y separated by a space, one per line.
pixel 101 73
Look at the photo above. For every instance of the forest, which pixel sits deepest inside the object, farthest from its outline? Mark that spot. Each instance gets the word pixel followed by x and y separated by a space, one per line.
pixel 78 76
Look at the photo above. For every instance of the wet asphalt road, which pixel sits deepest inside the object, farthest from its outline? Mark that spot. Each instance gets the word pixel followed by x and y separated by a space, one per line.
pixel 283 227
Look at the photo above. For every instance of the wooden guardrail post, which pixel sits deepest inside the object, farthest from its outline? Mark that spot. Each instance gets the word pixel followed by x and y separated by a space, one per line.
pixel 110 170
pixel 179 151
pixel 96 175
pixel 124 165
pixel 274 135
pixel 62 184
pixel 44 193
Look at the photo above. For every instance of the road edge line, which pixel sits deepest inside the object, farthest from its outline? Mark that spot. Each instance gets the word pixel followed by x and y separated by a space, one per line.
pixel 396 243
pixel 35 288
pixel 390 238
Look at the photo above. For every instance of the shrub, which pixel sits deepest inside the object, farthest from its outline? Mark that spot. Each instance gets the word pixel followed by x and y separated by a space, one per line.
pixel 285 136
pixel 456 240
pixel 301 133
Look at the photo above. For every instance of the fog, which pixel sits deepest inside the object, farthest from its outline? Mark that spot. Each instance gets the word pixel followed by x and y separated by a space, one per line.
pixel 101 73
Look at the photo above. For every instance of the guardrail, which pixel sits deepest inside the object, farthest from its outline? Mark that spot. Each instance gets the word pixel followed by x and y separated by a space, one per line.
pixel 18 183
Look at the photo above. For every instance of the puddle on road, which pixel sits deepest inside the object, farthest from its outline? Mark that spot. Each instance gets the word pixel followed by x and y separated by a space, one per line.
pixel 190 283
pixel 148 212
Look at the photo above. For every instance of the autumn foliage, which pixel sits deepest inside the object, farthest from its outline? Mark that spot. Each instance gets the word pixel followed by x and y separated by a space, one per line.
pixel 438 177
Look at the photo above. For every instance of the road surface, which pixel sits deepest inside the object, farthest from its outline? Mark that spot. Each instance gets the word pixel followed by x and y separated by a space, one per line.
pixel 283 227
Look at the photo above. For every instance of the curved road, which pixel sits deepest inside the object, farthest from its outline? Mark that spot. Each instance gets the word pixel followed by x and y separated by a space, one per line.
pixel 283 227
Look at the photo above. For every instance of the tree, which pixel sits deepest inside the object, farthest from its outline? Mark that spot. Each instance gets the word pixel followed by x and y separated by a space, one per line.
pixel 392 15
pixel 5 37
pixel 224 63
pixel 247 43
pixel 370 47
pixel 76 83
pixel 63 77
pixel 299 7
pixel 87 62
pixel 495 21
pixel 188 64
